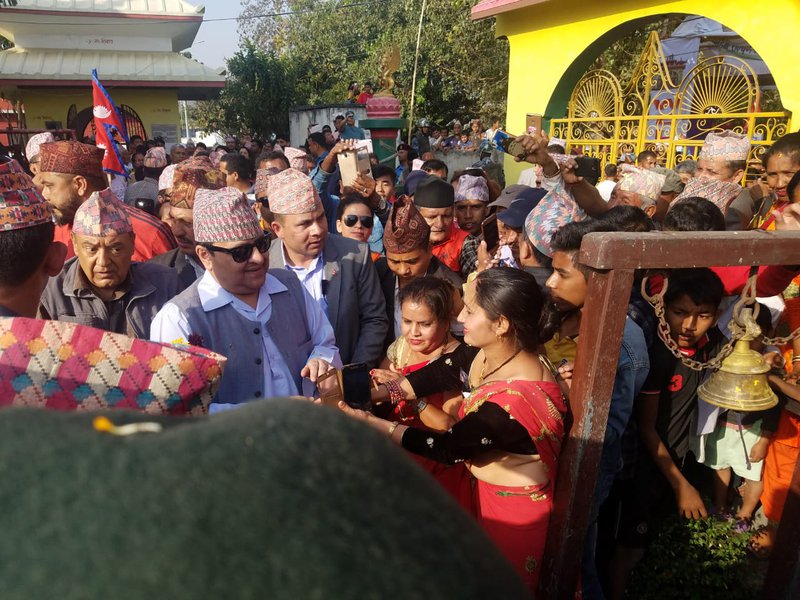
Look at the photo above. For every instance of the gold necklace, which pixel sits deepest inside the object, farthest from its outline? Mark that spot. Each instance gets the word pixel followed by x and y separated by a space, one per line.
pixel 493 371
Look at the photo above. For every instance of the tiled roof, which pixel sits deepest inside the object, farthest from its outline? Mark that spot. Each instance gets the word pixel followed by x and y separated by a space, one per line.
pixel 76 65
pixel 142 7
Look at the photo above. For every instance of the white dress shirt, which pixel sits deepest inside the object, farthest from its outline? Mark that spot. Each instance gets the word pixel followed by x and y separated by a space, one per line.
pixel 171 324
pixel 311 277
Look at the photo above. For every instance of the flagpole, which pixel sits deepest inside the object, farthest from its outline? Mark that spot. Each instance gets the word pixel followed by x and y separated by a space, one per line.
pixel 414 77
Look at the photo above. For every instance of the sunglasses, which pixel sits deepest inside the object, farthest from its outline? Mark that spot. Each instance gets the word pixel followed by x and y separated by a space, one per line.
pixel 351 220
pixel 242 254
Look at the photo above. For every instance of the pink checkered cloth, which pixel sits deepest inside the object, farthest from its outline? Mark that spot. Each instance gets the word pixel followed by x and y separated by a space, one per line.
pixel 65 366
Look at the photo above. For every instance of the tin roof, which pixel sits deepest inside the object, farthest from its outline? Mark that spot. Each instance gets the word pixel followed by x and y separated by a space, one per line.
pixel 159 8
pixel 42 67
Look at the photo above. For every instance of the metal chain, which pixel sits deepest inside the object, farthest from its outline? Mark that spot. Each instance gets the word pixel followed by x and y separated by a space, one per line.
pixel 738 326
pixel 780 341
pixel 657 302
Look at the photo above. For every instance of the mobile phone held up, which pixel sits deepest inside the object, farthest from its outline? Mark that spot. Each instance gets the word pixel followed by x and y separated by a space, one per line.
pixel 588 168
pixel 508 144
pixel 490 233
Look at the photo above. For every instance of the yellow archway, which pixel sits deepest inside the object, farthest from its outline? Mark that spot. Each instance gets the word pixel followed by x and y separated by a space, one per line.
pixel 546 38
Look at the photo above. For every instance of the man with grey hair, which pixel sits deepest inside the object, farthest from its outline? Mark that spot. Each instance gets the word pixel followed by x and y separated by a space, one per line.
pixel 177 154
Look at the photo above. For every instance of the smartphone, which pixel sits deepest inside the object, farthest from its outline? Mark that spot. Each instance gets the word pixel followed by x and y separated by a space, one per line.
pixel 508 144
pixel 533 123
pixel 588 168
pixel 490 233
pixel 356 385
pixel 355 162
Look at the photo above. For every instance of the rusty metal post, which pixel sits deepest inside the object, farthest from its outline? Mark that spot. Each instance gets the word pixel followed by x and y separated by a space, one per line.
pixel 614 256
pixel 602 322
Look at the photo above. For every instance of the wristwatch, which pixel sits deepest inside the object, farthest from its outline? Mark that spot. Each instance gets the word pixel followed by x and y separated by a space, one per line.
pixel 421 404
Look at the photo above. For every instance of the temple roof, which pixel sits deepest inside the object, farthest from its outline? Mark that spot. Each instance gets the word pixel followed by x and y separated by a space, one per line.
pixel 490 8
pixel 57 68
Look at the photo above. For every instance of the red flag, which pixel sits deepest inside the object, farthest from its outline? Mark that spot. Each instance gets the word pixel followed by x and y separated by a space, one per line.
pixel 109 128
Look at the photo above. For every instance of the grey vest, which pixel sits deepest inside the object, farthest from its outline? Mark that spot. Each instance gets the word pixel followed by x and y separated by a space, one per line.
pixel 227 332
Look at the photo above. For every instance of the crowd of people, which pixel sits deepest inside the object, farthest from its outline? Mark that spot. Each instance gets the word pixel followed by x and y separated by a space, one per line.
pixel 458 301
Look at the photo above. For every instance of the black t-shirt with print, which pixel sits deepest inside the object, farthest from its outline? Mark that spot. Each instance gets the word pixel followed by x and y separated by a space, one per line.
pixel 676 384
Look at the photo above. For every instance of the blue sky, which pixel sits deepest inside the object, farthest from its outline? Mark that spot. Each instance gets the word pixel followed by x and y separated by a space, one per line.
pixel 219 39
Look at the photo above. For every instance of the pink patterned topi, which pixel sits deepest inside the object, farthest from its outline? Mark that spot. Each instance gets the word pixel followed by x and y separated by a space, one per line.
pixel 290 192
pixel 101 215
pixel 224 216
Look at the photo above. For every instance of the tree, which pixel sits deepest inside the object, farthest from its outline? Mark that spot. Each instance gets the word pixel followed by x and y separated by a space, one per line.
pixel 463 69
pixel 258 92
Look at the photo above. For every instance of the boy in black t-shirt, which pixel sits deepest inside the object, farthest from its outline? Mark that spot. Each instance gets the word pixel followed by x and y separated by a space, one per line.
pixel 666 415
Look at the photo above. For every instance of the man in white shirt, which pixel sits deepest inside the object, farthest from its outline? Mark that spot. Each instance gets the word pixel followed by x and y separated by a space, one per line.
pixel 260 321
pixel 608 184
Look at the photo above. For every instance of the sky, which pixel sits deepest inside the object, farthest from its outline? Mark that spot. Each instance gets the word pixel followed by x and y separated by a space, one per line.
pixel 217 40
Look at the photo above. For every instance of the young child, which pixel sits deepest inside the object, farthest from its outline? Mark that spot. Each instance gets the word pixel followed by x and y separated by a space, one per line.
pixel 464 143
pixel 737 443
pixel 666 414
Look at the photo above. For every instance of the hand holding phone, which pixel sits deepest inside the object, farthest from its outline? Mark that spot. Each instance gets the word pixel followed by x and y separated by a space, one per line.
pixel 491 235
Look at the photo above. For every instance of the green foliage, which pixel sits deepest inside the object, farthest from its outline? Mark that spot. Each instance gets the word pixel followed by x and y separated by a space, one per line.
pixel 462 72
pixel 258 93
pixel 696 560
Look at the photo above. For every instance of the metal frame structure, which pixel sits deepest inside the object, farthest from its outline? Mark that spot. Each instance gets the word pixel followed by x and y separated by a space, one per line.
pixel 613 258
pixel 720 93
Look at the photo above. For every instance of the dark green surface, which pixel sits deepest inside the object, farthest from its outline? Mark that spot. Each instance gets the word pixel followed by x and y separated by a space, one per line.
pixel 278 499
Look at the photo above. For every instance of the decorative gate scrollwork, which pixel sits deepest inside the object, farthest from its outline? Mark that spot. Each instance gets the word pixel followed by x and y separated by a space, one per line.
pixel 653 113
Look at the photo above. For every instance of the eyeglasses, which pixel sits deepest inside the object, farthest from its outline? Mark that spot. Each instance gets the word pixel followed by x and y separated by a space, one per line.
pixel 351 220
pixel 242 254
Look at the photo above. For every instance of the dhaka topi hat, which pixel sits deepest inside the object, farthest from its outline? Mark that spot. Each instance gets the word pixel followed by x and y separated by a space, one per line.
pixel 72 158
pixel 516 213
pixel 224 215
pixel 721 193
pixel 413 180
pixel 216 157
pixel 297 159
pixel 405 229
pixel 33 145
pixel 21 204
pixel 434 192
pixel 166 178
pixel 156 158
pixel 727 145
pixel 102 214
pixel 471 187
pixel 261 184
pixel 291 192
pixel 508 195
pixel 646 183
pixel 191 175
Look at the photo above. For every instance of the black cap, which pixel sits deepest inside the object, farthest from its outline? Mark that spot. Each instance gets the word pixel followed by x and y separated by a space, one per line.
pixel 434 192
pixel 514 216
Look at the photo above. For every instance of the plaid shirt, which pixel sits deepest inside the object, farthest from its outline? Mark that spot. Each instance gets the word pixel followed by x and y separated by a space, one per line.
pixel 468 260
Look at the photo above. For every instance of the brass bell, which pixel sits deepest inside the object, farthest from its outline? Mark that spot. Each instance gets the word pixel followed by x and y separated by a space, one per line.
pixel 741 383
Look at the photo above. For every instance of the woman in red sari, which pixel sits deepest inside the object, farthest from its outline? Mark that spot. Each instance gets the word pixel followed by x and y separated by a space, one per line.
pixel 426 307
pixel 505 447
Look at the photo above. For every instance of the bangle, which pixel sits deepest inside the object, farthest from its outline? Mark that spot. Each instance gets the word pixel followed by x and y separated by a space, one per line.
pixel 392 427
pixel 395 391
pixel 421 405
pixel 796 359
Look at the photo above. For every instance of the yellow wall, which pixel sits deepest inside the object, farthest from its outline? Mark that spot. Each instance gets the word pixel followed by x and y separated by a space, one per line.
pixel 154 106
pixel 546 39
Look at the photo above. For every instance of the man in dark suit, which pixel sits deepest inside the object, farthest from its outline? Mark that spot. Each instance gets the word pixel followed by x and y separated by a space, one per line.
pixel 337 272
pixel 409 256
